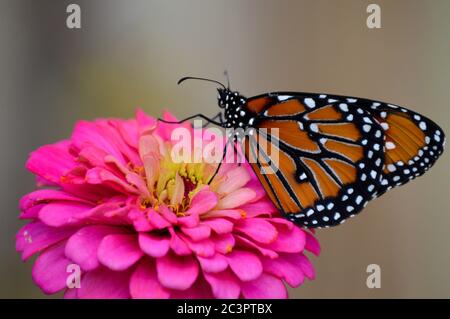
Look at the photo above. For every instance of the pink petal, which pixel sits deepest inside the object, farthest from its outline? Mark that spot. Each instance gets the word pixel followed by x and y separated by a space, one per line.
pixel 154 245
pixel 100 176
pixel 224 243
pixel 285 269
pixel 265 287
pixel 49 270
pixel 168 214
pixel 202 202
pixel 289 240
pixel 156 220
pixel 96 133
pixel 36 236
pixel 63 213
pixel 177 272
pixel 261 207
pixel 119 252
pixel 45 196
pixel 302 262
pixel 224 285
pixel 199 290
pixel 139 220
pixel 189 221
pixel 203 248
pixel 144 121
pixel 251 244
pixel 245 264
pixel 197 233
pixel 178 245
pixel 32 212
pixel 103 283
pixel 83 245
pixel 236 199
pixel 234 179
pixel 219 225
pixel 52 162
pixel 229 213
pixel 71 293
pixel 312 244
pixel 214 264
pixel 144 283
pixel 258 229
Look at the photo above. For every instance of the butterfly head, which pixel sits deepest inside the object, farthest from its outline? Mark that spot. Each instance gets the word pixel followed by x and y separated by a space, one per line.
pixel 228 99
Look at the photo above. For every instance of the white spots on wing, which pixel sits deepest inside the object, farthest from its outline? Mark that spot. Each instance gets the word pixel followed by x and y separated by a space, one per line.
pixel 378 134
pixel 343 107
pixel 423 126
pixel 349 117
pixel 322 96
pixel 336 216
pixel 310 102
pixel 283 97
pixel 313 127
pixel 358 199
pixel 351 100
pixel 367 120
pixel 302 176
pixel 390 145
pixel 373 174
pixel 378 162
pixel 385 126
pixel 391 168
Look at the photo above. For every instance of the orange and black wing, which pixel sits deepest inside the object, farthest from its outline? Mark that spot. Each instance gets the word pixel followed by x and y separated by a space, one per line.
pixel 412 142
pixel 319 159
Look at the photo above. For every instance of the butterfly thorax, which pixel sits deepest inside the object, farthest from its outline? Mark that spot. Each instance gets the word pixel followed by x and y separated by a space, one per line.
pixel 236 115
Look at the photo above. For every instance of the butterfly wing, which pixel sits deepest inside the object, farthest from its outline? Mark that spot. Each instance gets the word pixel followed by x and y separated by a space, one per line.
pixel 412 142
pixel 329 156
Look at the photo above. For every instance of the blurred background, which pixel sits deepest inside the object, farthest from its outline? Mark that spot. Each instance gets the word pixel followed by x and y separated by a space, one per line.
pixel 131 53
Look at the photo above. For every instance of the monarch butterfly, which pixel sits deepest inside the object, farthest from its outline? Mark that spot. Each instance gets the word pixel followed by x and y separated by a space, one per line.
pixel 336 153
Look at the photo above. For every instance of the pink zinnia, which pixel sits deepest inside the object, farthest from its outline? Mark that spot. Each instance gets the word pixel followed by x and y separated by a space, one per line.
pixel 112 201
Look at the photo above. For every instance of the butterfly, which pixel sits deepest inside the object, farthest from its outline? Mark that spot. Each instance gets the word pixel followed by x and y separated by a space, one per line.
pixel 335 153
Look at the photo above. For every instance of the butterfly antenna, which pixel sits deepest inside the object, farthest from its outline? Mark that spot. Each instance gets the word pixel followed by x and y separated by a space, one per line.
pixel 201 79
pixel 227 77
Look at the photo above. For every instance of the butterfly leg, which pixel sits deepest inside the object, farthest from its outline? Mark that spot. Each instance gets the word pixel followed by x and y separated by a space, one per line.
pixel 217 116
pixel 239 155
pixel 220 164
pixel 192 117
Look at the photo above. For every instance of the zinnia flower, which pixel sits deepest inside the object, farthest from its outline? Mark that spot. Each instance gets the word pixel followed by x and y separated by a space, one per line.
pixel 112 201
